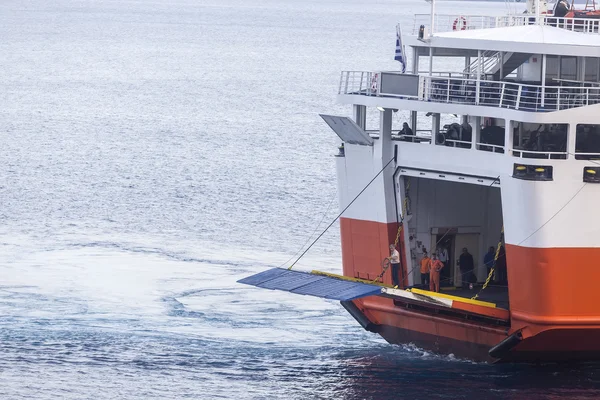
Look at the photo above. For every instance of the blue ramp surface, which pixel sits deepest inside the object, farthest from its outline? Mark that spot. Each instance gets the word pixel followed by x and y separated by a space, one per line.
pixel 309 284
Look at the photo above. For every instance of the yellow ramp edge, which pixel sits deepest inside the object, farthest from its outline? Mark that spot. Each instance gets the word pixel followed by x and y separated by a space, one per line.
pixel 413 290
pixel 454 298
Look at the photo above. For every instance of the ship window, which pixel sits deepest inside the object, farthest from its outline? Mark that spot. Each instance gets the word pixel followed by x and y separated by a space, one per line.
pixel 587 142
pixel 568 68
pixel 591 69
pixel 551 68
pixel 547 141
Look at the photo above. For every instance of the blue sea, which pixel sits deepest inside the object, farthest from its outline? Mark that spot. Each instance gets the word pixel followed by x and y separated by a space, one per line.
pixel 155 152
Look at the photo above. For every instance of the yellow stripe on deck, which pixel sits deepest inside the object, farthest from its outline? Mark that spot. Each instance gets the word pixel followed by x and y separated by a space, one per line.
pixel 413 290
pixel 453 298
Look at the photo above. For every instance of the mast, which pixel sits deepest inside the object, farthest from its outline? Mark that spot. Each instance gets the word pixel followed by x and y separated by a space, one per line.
pixel 432 16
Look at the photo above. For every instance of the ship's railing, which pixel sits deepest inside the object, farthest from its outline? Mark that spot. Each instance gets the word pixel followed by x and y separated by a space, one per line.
pixel 457 143
pixel 358 82
pixel 449 22
pixel 453 22
pixel 556 155
pixel 451 74
pixel 505 94
pixel 465 74
pixel 370 84
pixel 586 25
pixel 587 156
pixel 422 136
pixel 490 147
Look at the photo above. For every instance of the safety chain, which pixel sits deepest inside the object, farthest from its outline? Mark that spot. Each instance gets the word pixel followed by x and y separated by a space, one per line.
pixel 489 278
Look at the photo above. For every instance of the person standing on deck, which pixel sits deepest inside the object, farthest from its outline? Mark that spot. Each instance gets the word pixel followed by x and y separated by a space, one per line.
pixel 467 265
pixel 425 269
pixel 488 260
pixel 434 274
pixel 395 261
pixel 443 255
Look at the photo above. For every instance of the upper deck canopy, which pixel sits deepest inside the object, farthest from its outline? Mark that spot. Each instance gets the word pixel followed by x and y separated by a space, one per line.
pixel 532 39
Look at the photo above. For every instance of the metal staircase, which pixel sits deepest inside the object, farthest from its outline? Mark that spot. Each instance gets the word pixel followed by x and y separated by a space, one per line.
pixel 512 61
pixel 491 64
pixel 490 59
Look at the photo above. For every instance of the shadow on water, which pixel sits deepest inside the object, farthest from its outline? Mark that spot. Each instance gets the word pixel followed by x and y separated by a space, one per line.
pixel 407 372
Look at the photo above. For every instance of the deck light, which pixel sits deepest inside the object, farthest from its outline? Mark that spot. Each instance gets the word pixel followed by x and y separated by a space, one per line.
pixel 380 108
pixel 520 171
pixel 532 172
pixel 590 174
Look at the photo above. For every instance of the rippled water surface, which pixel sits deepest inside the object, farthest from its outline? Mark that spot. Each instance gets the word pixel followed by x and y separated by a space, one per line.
pixel 154 152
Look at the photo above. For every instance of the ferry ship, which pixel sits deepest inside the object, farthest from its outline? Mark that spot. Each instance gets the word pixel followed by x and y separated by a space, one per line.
pixel 503 152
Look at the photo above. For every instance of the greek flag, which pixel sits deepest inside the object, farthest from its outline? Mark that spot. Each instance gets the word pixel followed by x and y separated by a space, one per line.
pixel 400 49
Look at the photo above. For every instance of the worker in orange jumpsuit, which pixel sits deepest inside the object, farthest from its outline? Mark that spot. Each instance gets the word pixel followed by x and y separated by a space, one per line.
pixel 425 266
pixel 434 273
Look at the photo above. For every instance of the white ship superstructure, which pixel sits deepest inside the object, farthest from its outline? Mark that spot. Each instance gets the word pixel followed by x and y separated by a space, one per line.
pixel 486 151
pixel 510 140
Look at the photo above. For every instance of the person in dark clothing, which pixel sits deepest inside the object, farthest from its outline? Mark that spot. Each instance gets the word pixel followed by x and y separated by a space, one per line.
pixel 488 260
pixel 467 265
pixel 501 267
pixel 406 131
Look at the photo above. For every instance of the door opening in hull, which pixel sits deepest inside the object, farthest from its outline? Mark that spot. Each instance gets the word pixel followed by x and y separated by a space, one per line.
pixel 460 222
pixel 445 243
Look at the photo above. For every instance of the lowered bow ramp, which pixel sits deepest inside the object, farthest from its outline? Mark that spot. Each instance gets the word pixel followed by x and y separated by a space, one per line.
pixel 337 287
pixel 299 282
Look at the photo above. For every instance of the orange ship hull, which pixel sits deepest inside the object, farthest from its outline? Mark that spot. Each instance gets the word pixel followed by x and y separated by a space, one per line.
pixel 400 325
pixel 546 325
pixel 473 340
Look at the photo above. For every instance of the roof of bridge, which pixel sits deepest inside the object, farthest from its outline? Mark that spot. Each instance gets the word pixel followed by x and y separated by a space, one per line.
pixel 534 39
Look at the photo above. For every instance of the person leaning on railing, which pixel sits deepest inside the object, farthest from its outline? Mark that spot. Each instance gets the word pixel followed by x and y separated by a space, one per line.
pixel 406 132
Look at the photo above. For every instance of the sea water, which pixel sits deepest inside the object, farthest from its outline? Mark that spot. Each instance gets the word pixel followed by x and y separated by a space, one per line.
pixel 153 153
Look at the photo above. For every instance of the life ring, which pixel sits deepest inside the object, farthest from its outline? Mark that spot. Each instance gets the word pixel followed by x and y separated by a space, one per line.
pixel 460 24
